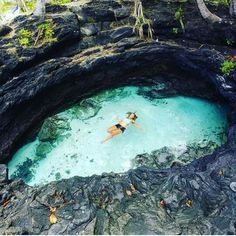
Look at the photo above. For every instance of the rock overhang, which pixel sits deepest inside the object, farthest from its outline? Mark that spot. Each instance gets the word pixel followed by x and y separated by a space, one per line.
pixel 55 84
pixel 49 83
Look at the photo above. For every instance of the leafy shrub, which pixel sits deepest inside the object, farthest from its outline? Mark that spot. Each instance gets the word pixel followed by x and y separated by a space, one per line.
pixel 227 66
pixel 24 37
pixel 46 31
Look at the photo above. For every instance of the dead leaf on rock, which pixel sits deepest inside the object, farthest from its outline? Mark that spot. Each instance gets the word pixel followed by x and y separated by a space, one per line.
pixel 129 193
pixel 6 202
pixel 189 203
pixel 221 173
pixel 53 218
pixel 132 188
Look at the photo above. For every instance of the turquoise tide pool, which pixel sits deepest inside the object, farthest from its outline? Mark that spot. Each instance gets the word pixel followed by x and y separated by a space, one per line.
pixel 69 144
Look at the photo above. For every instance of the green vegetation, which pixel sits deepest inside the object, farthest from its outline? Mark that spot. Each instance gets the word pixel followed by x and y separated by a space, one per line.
pixel 227 66
pixel 225 3
pixel 24 37
pixel 179 16
pixel 25 6
pixel 59 2
pixel 229 42
pixel 30 4
pixel 141 21
pixel 46 32
pixel 175 30
pixel 6 6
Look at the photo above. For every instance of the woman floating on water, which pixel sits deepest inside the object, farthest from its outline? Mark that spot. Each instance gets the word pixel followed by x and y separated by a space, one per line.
pixel 122 126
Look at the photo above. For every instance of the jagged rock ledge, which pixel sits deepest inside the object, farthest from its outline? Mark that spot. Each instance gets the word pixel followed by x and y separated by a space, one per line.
pixel 96 49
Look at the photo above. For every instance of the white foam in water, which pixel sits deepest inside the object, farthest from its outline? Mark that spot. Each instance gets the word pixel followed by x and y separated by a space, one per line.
pixel 173 122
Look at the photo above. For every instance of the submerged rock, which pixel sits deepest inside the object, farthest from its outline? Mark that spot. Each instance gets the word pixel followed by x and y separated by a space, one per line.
pixel 24 170
pixel 52 128
pixel 43 149
pixel 86 109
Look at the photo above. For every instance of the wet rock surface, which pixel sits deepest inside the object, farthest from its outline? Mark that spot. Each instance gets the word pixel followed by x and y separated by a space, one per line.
pixel 167 157
pixel 96 49
pixel 129 203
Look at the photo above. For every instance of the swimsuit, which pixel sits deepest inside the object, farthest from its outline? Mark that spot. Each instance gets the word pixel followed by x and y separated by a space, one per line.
pixel 122 128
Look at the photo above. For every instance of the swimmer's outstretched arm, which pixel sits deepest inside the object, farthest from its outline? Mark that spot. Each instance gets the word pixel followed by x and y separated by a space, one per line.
pixel 138 126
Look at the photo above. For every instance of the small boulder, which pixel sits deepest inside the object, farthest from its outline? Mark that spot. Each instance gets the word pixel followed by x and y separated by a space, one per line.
pixel 52 128
pixel 3 173
pixel 43 149
pixel 4 30
pixel 121 33
pixel 89 29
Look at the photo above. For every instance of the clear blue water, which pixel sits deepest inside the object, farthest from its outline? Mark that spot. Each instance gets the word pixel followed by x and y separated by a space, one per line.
pixel 174 122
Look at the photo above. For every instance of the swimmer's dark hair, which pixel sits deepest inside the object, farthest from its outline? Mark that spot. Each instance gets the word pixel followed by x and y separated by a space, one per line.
pixel 135 116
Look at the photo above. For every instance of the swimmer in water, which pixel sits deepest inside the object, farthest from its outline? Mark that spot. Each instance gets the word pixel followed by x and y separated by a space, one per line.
pixel 122 126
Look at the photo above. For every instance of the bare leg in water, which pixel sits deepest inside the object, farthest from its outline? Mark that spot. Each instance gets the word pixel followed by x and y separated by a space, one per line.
pixel 113 131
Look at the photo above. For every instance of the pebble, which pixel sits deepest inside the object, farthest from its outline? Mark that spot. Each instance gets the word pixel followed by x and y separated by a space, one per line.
pixel 233 186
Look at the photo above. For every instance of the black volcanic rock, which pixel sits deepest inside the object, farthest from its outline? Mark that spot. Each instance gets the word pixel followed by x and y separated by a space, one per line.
pixel 39 81
pixel 4 30
pixel 3 173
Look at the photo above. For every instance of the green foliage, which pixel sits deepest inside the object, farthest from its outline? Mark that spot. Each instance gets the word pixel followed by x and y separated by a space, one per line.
pixel 24 42
pixel 225 3
pixel 227 66
pixel 24 37
pixel 30 4
pixel 59 2
pixel 179 16
pixel 229 42
pixel 6 6
pixel 46 31
pixel 175 30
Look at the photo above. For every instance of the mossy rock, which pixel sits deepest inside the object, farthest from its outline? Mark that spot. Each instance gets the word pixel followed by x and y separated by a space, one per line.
pixel 87 109
pixel 43 149
pixel 52 128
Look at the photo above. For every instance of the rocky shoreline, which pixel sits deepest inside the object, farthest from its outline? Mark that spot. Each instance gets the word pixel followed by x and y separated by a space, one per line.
pixel 94 48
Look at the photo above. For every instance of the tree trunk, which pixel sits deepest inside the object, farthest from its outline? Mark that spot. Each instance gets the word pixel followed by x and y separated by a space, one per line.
pixel 206 14
pixel 40 8
pixel 232 8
